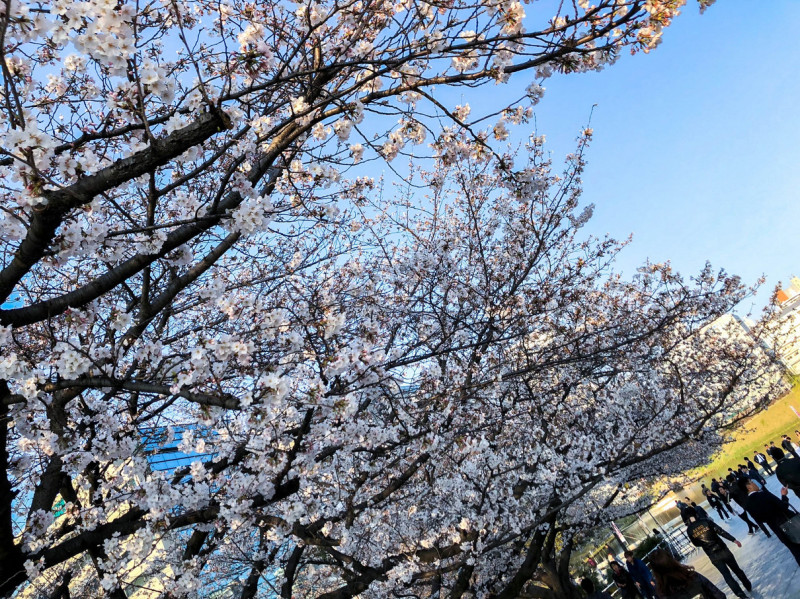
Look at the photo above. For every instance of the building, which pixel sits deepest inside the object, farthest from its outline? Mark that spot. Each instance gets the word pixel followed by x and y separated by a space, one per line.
pixel 784 336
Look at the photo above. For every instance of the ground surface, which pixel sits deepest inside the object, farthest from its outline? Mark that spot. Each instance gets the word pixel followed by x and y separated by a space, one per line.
pixel 767 562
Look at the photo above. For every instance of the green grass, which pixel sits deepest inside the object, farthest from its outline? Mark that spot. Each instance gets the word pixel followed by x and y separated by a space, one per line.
pixel 778 419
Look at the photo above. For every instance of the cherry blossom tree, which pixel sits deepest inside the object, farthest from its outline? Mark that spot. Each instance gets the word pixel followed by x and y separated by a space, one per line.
pixel 427 392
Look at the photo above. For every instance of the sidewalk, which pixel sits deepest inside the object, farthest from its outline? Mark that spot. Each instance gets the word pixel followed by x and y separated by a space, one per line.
pixel 767 562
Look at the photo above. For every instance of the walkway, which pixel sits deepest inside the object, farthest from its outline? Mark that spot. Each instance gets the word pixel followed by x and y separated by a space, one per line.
pixel 767 562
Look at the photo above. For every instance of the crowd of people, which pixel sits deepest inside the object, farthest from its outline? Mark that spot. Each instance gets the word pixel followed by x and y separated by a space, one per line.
pixel 741 492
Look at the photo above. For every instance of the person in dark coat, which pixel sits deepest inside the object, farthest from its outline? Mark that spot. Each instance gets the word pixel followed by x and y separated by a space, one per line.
pixel 788 446
pixel 716 504
pixel 754 474
pixel 725 496
pixel 762 461
pixel 732 476
pixel 739 496
pixel 701 513
pixel 788 472
pixel 708 536
pixel 588 586
pixel 676 581
pixel 769 510
pixel 681 508
pixel 624 582
pixel 641 575
pixel 721 491
pixel 775 452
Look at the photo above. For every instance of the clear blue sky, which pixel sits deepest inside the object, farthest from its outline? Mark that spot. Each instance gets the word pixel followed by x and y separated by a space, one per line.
pixel 696 144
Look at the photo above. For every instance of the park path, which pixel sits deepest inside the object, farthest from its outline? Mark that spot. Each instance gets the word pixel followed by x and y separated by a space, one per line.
pixel 767 562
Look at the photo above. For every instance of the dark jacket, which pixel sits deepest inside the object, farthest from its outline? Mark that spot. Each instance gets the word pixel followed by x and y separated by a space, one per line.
pixel 738 494
pixel 699 586
pixel 753 473
pixel 702 514
pixel 715 486
pixel 776 453
pixel 761 458
pixel 706 534
pixel 767 508
pixel 788 472
pixel 787 446
pixel 639 571
pixel 625 583
pixel 714 501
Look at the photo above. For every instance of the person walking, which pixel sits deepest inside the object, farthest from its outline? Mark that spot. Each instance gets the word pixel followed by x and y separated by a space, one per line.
pixel 716 504
pixel 732 476
pixel 762 461
pixel 588 586
pixel 769 510
pixel 725 496
pixel 776 453
pixel 788 446
pixel 755 475
pixel 708 536
pixel 739 496
pixel 676 581
pixel 701 513
pixel 641 575
pixel 788 473
pixel 624 582
pixel 681 508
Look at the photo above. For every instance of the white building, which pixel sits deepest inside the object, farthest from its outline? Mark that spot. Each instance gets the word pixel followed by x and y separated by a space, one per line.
pixel 785 330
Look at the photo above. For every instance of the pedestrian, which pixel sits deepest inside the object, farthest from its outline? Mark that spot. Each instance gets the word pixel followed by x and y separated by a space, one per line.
pixel 748 462
pixel 754 474
pixel 641 575
pixel 788 446
pixel 762 461
pixel 624 582
pixel 716 503
pixel 681 508
pixel 775 452
pixel 715 486
pixel 769 510
pixel 676 581
pixel 725 496
pixel 708 536
pixel 588 585
pixel 739 496
pixel 788 472
pixel 732 476
pixel 701 513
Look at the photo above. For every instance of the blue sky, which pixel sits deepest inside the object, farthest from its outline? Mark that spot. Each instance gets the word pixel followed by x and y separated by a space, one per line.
pixel 696 144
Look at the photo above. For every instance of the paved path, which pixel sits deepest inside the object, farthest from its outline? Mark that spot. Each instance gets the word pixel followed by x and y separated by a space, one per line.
pixel 767 562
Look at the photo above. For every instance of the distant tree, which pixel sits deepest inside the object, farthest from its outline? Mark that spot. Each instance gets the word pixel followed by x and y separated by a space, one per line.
pixel 417 395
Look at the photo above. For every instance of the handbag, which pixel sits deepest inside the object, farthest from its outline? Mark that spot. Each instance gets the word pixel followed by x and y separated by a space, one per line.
pixel 792 528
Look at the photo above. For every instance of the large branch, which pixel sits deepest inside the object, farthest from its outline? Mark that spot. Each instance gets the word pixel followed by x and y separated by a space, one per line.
pixel 224 400
pixel 46 220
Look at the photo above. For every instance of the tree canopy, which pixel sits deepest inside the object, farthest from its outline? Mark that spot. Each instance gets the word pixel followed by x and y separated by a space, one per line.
pixel 232 361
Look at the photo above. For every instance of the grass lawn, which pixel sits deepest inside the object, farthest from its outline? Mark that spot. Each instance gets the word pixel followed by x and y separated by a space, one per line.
pixel 769 425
